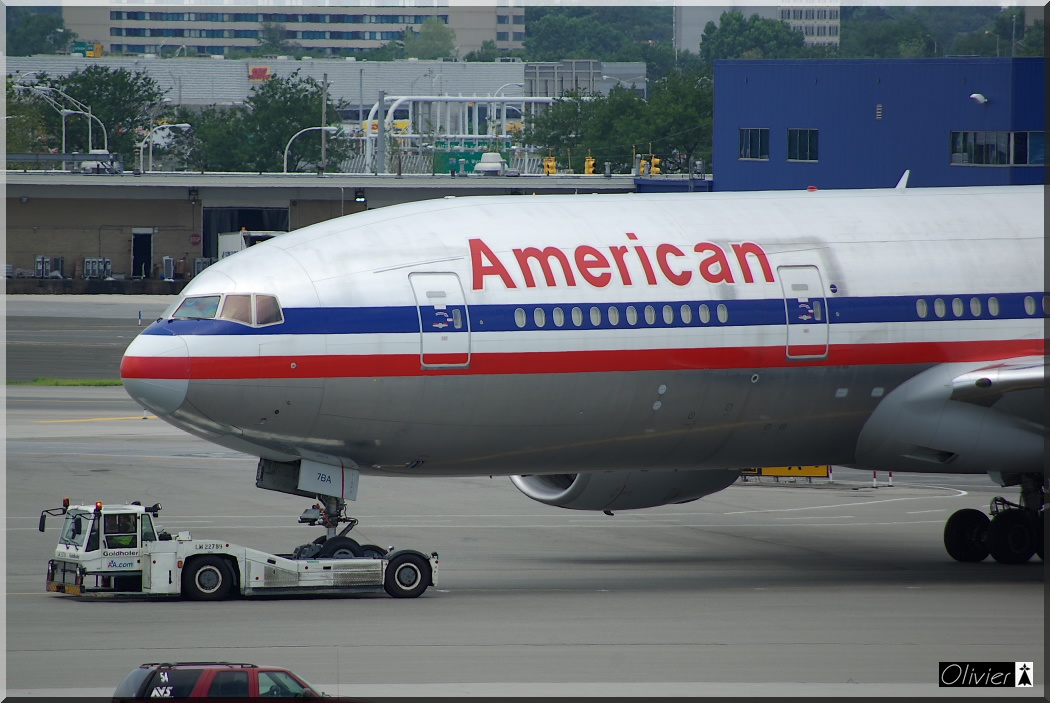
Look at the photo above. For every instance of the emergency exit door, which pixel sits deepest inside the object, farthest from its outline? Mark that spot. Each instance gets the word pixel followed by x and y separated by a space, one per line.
pixel 444 322
pixel 806 312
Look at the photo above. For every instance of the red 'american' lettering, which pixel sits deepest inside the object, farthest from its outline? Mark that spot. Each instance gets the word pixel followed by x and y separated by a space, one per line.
pixel 600 267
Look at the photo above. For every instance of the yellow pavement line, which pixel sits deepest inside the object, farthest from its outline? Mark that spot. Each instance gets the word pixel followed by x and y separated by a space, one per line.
pixel 97 419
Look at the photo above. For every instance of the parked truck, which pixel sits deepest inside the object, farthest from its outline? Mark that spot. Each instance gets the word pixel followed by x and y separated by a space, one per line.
pixel 118 548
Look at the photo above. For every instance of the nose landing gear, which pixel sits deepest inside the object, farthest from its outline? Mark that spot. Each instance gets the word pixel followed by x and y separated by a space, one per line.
pixel 334 544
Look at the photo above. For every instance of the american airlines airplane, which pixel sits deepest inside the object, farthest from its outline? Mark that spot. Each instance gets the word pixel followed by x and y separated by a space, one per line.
pixel 627 351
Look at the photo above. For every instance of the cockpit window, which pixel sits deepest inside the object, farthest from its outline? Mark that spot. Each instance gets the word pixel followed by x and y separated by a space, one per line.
pixel 267 310
pixel 200 308
pixel 237 308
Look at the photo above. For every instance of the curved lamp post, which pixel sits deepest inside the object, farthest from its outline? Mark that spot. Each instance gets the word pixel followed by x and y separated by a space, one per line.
pixel 149 140
pixel 503 109
pixel 105 137
pixel 330 130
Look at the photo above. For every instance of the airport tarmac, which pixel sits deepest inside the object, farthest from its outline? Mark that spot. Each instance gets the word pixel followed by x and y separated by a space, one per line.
pixel 764 589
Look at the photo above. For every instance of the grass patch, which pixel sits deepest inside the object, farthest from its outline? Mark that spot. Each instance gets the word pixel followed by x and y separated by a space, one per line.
pixel 40 381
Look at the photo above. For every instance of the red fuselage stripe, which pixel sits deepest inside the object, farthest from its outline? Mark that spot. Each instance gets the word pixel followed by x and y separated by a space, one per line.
pixel 406 365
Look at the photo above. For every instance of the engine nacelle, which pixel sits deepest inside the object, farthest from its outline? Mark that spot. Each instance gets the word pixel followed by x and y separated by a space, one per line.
pixel 623 490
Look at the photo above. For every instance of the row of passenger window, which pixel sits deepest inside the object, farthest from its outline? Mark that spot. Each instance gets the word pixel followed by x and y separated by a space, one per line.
pixel 612 315
pixel 940 307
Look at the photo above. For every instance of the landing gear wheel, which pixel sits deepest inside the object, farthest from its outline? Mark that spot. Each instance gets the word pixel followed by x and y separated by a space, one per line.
pixel 372 551
pixel 407 576
pixel 340 548
pixel 1011 537
pixel 965 535
pixel 207 578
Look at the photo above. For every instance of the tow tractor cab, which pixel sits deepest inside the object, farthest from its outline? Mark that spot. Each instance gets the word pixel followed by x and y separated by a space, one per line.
pixel 119 549
pixel 100 547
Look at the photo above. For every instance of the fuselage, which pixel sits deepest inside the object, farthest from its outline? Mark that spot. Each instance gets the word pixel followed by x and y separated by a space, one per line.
pixel 564 334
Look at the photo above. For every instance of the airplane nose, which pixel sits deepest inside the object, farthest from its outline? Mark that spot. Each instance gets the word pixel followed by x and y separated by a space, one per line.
pixel 156 371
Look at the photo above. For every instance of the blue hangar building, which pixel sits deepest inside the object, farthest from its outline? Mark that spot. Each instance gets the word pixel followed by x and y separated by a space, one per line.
pixel 860 123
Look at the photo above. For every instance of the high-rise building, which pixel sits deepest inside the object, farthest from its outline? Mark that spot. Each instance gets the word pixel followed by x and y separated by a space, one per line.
pixel 335 31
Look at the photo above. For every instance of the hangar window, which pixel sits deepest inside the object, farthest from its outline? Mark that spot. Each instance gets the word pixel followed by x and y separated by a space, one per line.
pixel 802 145
pixel 754 143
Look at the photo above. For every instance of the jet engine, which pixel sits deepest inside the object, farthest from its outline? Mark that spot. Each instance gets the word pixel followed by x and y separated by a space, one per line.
pixel 623 490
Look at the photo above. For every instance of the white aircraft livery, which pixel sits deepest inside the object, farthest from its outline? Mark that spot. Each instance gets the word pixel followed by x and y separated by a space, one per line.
pixel 614 352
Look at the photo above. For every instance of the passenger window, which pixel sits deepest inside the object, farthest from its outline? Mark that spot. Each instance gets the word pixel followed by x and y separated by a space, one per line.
pixel 922 308
pixel 818 310
pixel 559 317
pixel 520 318
pixel 596 317
pixel 1029 305
pixel 975 307
pixel 229 684
pixel 267 310
pixel 200 308
pixel 993 306
pixel 705 314
pixel 650 315
pixel 687 314
pixel 577 317
pixel 938 307
pixel 540 317
pixel 457 318
pixel 237 308
pixel 632 315
pixel 614 316
pixel 723 312
pixel 957 307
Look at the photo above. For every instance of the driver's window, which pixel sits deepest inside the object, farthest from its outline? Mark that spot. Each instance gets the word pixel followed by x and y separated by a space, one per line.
pixel 92 543
pixel 148 533
pixel 278 684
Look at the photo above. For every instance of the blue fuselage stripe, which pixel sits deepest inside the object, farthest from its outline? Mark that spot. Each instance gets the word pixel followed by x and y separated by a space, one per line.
pixel 737 313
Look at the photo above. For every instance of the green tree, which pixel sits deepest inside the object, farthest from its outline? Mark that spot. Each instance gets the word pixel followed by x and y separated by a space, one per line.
pixel 559 128
pixel 273 40
pixel 755 37
pixel 1032 42
pixel 883 34
pixel 487 52
pixel 123 101
pixel 38 30
pixel 26 123
pixel 558 36
pixel 434 40
pixel 680 119
pixel 217 140
pixel 276 111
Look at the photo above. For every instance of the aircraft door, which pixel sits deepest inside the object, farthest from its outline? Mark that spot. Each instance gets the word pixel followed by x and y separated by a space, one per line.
pixel 444 322
pixel 806 309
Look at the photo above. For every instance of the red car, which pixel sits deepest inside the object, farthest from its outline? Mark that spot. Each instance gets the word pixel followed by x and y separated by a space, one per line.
pixel 212 680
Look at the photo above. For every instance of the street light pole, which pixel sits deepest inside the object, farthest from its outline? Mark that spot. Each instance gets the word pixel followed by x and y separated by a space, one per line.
pixel 105 136
pixel 330 130
pixel 503 110
pixel 149 138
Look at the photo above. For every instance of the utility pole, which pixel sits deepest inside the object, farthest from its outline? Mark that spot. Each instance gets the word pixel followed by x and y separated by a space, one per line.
pixel 324 122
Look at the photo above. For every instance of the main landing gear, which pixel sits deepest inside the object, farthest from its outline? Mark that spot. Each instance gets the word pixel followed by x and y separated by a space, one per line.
pixel 1012 535
pixel 334 544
